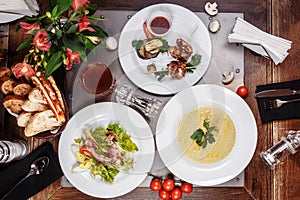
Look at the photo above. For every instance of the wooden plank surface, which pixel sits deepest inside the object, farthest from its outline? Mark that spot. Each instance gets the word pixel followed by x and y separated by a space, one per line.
pixel 280 18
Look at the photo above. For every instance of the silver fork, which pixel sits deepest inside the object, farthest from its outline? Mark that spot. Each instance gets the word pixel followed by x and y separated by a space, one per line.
pixel 277 103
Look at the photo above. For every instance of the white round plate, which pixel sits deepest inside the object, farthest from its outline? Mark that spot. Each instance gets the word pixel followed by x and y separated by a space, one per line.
pixel 185 25
pixel 102 114
pixel 230 166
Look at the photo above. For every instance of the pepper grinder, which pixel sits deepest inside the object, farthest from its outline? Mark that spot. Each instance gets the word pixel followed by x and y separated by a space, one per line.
pixel 286 146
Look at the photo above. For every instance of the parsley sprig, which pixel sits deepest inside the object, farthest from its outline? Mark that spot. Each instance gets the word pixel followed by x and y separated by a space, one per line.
pixel 203 137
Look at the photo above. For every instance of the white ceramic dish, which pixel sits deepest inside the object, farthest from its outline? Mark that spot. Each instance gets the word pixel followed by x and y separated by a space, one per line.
pixel 230 166
pixel 185 25
pixel 102 114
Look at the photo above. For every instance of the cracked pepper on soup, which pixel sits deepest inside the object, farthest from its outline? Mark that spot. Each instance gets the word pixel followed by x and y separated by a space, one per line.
pixel 206 135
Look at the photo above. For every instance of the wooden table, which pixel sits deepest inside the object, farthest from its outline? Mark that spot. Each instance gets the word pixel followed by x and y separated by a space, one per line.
pixel 281 18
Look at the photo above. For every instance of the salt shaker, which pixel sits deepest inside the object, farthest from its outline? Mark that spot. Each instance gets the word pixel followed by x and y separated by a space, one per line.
pixel 10 151
pixel 286 146
pixel 147 105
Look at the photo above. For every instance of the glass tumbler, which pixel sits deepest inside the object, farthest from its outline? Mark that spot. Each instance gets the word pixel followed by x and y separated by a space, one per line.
pixel 10 151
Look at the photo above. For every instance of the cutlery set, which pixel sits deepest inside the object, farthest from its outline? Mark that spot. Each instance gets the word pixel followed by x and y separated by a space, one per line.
pixel 277 103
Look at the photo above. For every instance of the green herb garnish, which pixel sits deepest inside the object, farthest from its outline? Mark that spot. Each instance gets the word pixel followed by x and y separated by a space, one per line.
pixel 202 137
pixel 192 65
pixel 137 44
pixel 161 74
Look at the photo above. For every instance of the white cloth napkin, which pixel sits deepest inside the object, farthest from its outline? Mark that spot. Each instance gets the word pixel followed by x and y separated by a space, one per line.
pixel 263 43
pixel 11 10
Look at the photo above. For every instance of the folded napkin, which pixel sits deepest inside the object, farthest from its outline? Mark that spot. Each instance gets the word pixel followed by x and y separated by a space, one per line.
pixel 15 9
pixel 286 111
pixel 10 174
pixel 263 43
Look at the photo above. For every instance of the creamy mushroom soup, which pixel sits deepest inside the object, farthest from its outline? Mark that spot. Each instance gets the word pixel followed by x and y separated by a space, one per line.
pixel 220 138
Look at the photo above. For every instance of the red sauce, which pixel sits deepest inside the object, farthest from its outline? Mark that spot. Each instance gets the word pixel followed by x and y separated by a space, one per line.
pixel 96 78
pixel 160 25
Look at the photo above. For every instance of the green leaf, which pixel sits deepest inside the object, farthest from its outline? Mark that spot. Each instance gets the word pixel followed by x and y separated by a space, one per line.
pixel 54 63
pixel 75 44
pixel 58 33
pixel 52 3
pixel 137 44
pixel 88 43
pixel 206 125
pixel 211 138
pixel 161 74
pixel 92 8
pixel 195 60
pixel 165 46
pixel 99 32
pixel 63 5
pixel 54 12
pixel 25 44
pixel 204 143
pixel 72 29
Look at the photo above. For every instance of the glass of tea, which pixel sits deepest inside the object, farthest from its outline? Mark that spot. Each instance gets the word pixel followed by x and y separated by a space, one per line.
pixel 159 23
pixel 96 78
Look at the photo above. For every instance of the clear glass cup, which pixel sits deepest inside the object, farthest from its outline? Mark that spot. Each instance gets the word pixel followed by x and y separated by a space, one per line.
pixel 96 78
pixel 10 151
pixel 147 105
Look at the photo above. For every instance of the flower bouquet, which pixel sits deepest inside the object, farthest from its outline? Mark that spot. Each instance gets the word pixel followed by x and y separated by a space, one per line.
pixel 60 37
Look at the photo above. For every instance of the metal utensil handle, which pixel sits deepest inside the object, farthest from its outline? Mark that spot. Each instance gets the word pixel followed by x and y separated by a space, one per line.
pixel 292 100
pixel 15 186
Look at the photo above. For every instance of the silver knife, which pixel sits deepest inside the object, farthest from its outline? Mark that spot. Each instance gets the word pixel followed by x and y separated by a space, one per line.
pixel 276 93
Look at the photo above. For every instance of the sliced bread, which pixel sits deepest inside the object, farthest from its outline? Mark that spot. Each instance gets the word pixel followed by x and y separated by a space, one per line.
pixel 21 89
pixel 14 103
pixel 36 96
pixel 30 106
pixel 40 122
pixel 23 118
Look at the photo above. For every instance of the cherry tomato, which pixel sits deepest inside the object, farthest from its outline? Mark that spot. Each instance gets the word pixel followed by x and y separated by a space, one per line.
pixel 168 185
pixel 176 193
pixel 242 91
pixel 147 32
pixel 163 194
pixel 83 150
pixel 186 188
pixel 155 185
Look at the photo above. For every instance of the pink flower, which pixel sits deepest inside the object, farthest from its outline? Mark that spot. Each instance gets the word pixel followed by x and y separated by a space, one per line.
pixel 83 24
pixel 71 58
pixel 76 4
pixel 40 41
pixel 29 27
pixel 23 69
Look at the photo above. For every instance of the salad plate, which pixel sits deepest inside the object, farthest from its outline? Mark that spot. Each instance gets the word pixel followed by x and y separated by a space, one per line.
pixel 102 114
pixel 213 173
pixel 185 25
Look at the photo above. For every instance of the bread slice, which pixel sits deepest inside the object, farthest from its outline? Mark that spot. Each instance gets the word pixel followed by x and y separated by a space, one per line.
pixel 23 118
pixel 5 72
pixel 21 89
pixel 30 106
pixel 52 101
pixel 6 85
pixel 40 122
pixel 14 103
pixel 57 92
pixel 36 96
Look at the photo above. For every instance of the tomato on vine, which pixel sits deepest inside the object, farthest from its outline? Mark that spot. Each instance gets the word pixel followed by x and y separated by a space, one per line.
pixel 163 194
pixel 168 185
pixel 176 193
pixel 186 188
pixel 155 185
